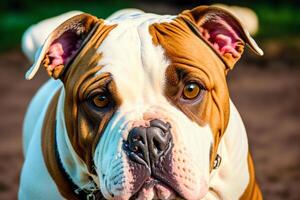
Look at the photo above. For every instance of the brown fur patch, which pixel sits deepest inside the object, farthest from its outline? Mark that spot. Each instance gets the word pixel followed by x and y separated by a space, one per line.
pixel 84 129
pixel 192 56
pixel 252 191
pixel 84 133
pixel 192 59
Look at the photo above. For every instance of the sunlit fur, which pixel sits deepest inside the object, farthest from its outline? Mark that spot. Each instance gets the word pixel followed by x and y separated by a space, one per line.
pixel 138 69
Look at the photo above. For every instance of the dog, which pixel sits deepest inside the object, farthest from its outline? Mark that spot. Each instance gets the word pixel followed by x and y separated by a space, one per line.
pixel 137 107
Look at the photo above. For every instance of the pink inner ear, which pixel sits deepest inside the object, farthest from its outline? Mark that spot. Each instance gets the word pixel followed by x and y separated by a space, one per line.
pixel 221 36
pixel 63 49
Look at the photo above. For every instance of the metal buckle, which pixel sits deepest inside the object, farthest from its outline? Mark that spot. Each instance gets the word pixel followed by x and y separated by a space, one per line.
pixel 90 196
pixel 217 161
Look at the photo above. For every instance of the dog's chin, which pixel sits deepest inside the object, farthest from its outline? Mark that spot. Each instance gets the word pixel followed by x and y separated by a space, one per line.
pixel 154 189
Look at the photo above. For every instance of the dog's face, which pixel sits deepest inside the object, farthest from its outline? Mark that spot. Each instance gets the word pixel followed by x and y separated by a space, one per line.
pixel 146 99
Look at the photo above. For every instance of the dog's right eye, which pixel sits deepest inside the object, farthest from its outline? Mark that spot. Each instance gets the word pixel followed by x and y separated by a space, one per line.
pixel 100 101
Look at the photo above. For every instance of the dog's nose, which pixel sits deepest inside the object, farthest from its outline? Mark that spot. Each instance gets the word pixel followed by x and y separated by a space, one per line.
pixel 146 145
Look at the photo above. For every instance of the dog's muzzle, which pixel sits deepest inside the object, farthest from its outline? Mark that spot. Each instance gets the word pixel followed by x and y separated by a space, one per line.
pixel 148 145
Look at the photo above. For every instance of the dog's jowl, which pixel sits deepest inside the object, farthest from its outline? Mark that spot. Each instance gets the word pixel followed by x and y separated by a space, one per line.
pixel 137 107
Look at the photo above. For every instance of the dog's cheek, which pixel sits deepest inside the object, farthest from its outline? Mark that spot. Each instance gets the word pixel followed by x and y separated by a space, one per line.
pixel 139 174
pixel 88 125
pixel 190 157
pixel 86 132
pixel 89 131
pixel 118 176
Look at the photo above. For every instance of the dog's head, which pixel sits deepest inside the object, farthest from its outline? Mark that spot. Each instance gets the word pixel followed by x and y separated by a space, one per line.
pixel 146 99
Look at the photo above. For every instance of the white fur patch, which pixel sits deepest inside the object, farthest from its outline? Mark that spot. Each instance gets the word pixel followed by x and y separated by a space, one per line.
pixel 232 177
pixel 138 68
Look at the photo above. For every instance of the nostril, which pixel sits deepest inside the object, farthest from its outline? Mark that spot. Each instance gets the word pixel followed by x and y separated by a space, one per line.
pixel 158 145
pixel 137 134
pixel 158 141
pixel 135 149
pixel 136 145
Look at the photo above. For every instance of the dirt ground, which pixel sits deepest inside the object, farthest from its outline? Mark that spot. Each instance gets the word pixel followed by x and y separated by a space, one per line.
pixel 267 98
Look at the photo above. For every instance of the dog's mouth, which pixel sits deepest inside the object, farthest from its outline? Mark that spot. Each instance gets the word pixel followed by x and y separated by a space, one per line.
pixel 155 189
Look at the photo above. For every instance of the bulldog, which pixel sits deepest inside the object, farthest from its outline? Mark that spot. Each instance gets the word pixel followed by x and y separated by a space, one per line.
pixel 138 107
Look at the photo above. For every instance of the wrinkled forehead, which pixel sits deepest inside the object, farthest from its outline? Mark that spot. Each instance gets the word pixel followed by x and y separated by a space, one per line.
pixel 136 64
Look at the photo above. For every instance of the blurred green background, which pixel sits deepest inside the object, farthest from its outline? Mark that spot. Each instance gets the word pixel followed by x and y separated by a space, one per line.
pixel 278 19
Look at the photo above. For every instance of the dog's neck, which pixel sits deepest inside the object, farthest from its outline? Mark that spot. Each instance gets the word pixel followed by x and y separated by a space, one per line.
pixel 71 162
pixel 230 180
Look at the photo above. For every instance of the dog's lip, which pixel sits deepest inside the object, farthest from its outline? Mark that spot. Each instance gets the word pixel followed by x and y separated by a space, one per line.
pixel 150 182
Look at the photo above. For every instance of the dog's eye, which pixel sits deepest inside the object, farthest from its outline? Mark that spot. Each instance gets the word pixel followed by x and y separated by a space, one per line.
pixel 101 100
pixel 191 91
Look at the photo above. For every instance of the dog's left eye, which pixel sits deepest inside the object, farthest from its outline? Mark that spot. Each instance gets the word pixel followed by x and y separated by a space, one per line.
pixel 101 100
pixel 191 91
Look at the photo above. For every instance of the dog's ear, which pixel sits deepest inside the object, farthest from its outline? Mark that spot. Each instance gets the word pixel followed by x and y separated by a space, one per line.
pixel 63 44
pixel 222 31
